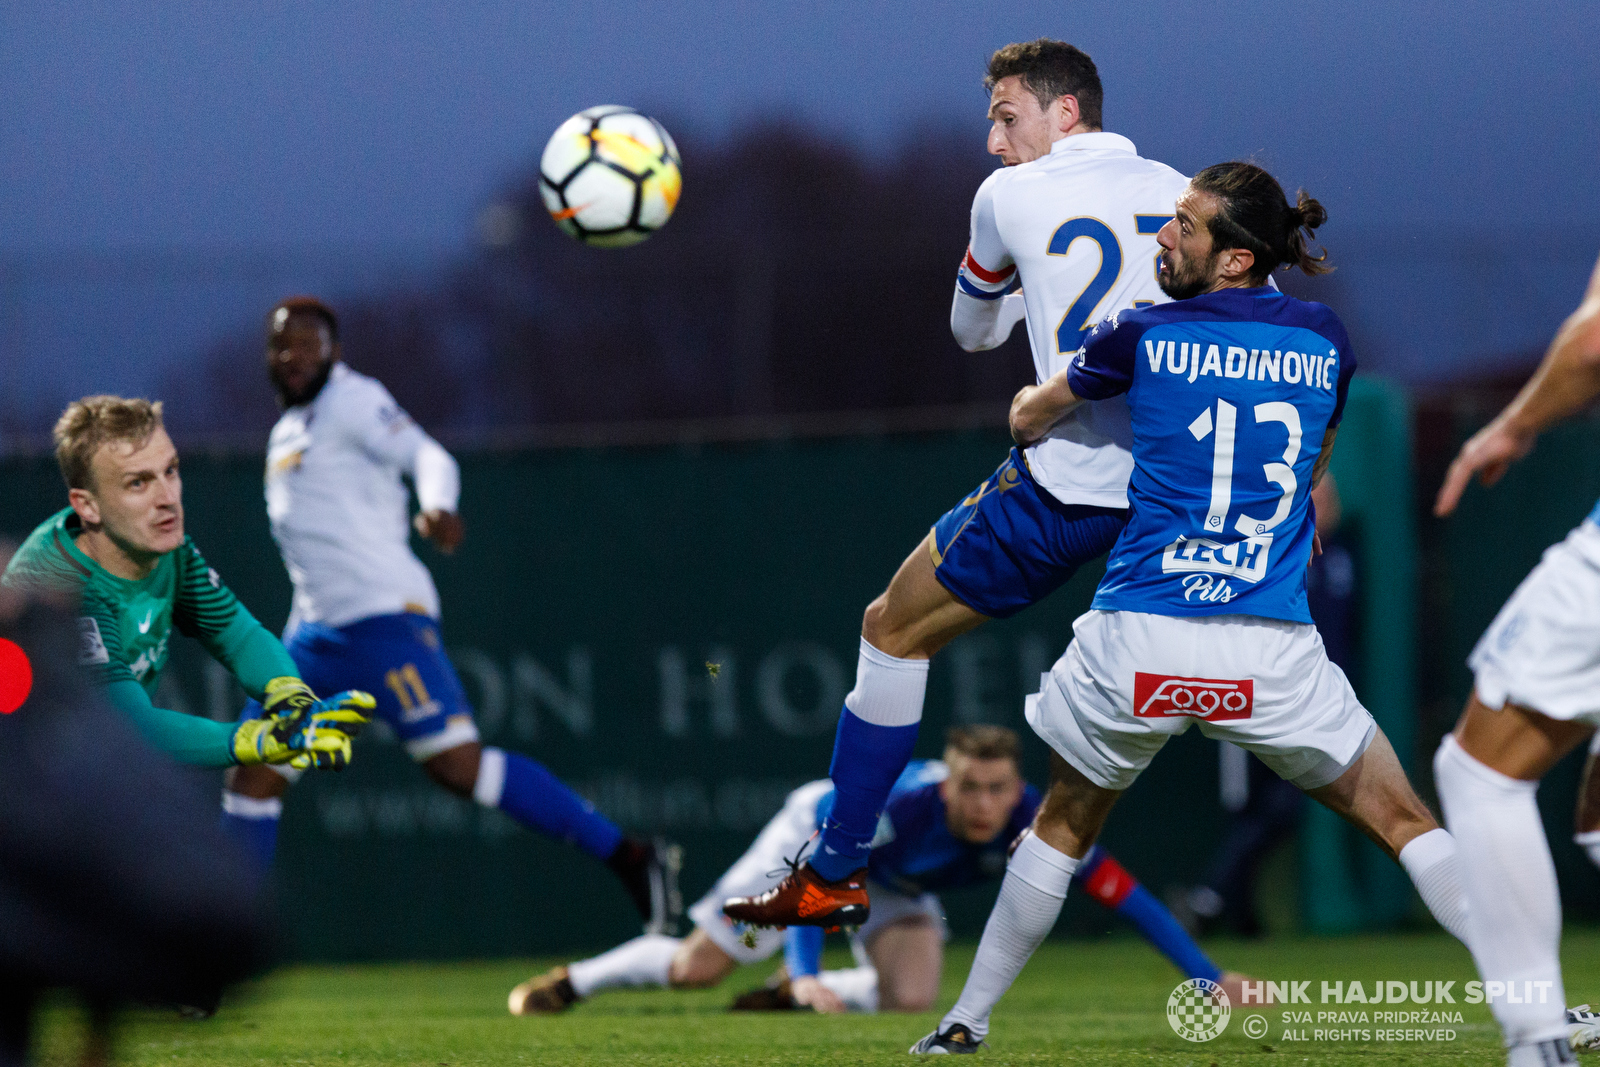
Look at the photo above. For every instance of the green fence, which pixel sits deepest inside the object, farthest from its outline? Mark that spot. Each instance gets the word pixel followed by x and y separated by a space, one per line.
pixel 595 587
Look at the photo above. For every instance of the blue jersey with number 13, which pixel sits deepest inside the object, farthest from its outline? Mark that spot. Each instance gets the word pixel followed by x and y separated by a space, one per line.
pixel 1231 394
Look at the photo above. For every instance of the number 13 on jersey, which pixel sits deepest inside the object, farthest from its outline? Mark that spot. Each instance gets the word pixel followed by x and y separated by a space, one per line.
pixel 1247 559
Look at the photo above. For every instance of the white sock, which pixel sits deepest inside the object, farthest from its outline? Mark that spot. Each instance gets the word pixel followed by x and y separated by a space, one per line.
pixel 1435 869
pixel 889 690
pixel 1513 907
pixel 644 961
pixel 242 807
pixel 1030 901
pixel 856 986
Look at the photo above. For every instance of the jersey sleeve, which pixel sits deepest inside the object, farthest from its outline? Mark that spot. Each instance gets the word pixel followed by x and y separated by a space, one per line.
pixel 982 314
pixel 207 610
pixel 376 423
pixel 1105 366
pixel 186 738
pixel 987 270
pixel 1335 333
pixel 380 427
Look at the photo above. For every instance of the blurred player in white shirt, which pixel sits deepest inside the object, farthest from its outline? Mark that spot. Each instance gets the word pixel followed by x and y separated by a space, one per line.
pixel 1535 697
pixel 366 608
pixel 1073 219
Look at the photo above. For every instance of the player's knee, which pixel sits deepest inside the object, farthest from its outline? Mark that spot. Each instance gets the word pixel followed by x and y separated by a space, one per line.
pixel 688 971
pixel 887 631
pixel 913 1001
pixel 456 769
pixel 257 783
pixel 698 963
pixel 873 626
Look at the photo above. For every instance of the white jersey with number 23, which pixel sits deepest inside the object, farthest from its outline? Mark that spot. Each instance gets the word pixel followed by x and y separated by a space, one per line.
pixel 1078 229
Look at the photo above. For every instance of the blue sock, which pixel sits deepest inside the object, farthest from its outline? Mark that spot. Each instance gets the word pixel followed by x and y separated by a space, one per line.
pixel 525 790
pixel 1110 884
pixel 253 825
pixel 866 761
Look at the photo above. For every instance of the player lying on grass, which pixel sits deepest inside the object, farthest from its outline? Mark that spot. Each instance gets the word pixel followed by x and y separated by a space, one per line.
pixel 1536 696
pixel 1236 393
pixel 1072 217
pixel 366 613
pixel 119 550
pixel 947 825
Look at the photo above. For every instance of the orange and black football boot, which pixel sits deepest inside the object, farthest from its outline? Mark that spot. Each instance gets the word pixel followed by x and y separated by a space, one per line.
pixel 804 899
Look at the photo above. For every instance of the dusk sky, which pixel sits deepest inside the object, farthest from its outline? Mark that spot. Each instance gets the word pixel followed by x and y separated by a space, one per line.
pixel 1469 130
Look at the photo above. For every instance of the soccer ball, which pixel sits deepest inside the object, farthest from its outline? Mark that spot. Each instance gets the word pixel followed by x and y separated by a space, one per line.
pixel 610 176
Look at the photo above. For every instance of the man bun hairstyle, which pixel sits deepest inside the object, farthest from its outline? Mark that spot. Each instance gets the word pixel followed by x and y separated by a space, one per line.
pixel 1254 214
pixel 278 317
pixel 95 420
pixel 1049 70
pixel 984 742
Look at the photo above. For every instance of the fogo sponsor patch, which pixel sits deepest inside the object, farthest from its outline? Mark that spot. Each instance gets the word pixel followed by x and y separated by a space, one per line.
pixel 1157 696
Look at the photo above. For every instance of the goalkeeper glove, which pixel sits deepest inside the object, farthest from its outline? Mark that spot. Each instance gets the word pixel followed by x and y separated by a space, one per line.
pixel 298 729
pixel 324 740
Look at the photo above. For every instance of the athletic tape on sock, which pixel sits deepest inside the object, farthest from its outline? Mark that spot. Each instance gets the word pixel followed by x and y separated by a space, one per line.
pixel 1590 843
pixel 491 781
pixel 1452 755
pixel 889 690
pixel 1430 860
pixel 244 807
pixel 1043 867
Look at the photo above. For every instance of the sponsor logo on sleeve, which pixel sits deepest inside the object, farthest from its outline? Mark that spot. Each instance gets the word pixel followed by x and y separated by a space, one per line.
pixel 1159 696
pixel 393 417
pixel 91 649
pixel 214 577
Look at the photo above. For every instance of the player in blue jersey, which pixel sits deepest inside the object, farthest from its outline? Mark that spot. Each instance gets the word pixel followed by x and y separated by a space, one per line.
pixel 1072 219
pixel 1236 392
pixel 1536 696
pixel 947 825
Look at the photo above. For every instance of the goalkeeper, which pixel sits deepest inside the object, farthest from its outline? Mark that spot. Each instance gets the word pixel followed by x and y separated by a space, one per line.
pixel 120 552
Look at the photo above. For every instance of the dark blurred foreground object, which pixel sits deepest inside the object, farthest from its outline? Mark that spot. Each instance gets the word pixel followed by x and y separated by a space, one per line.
pixel 115 879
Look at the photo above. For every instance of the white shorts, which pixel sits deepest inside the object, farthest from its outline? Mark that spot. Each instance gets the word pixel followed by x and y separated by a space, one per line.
pixel 764 864
pixel 1542 651
pixel 1129 680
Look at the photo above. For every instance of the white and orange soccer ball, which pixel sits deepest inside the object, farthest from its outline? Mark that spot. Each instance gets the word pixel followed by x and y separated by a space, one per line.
pixel 610 176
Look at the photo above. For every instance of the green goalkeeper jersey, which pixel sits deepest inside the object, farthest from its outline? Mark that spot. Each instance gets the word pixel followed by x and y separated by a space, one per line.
pixel 125 625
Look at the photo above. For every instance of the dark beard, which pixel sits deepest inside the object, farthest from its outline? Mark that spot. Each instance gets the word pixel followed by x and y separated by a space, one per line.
pixel 1192 282
pixel 306 395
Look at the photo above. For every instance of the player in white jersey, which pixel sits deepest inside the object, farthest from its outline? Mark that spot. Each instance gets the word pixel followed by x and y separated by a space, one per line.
pixel 1536 696
pixel 1235 394
pixel 1072 218
pixel 365 606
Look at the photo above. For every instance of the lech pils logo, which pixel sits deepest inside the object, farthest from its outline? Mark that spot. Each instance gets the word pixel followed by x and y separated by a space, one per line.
pixel 1198 1010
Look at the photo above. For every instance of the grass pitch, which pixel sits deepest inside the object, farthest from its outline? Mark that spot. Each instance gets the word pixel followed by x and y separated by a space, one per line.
pixel 1095 1002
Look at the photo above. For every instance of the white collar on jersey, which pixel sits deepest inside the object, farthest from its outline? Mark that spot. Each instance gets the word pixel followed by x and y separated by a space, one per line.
pixel 1094 142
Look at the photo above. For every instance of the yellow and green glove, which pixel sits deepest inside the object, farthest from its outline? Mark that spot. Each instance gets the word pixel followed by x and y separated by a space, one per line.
pixel 298 729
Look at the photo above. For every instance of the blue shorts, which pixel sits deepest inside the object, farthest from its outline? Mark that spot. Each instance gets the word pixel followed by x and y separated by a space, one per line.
pixel 1011 543
pixel 400 660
